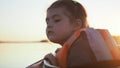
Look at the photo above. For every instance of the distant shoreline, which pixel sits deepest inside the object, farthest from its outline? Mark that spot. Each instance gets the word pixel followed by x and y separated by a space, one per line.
pixel 24 41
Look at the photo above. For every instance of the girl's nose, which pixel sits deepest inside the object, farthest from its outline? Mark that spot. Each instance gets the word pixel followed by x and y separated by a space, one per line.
pixel 49 25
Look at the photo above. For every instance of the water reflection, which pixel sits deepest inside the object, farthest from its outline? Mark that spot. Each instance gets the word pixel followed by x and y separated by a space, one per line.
pixel 20 55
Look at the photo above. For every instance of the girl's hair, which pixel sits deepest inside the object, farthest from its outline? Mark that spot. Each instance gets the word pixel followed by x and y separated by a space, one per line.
pixel 75 9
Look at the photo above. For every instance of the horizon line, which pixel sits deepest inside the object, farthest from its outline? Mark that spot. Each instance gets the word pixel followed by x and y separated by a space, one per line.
pixel 44 40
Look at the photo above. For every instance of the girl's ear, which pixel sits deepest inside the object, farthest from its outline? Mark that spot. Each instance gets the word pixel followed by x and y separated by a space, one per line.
pixel 77 24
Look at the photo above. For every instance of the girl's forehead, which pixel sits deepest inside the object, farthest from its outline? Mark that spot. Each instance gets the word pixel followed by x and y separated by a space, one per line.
pixel 53 10
pixel 60 10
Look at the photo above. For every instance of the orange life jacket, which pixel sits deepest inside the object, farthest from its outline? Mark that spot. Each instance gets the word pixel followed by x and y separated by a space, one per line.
pixel 109 43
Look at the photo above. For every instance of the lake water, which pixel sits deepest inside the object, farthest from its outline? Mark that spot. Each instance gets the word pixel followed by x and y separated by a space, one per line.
pixel 20 55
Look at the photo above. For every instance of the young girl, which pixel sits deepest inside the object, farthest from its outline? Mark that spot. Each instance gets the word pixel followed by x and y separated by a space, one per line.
pixel 64 18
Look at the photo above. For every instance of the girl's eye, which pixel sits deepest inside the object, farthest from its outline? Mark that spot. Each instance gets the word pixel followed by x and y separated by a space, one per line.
pixel 57 20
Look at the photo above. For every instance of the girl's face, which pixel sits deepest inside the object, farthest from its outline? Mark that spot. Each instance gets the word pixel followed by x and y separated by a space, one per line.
pixel 59 28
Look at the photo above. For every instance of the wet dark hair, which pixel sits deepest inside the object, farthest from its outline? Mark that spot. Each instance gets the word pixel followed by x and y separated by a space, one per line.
pixel 75 9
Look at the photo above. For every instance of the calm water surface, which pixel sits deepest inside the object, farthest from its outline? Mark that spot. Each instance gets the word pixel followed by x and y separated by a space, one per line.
pixel 20 55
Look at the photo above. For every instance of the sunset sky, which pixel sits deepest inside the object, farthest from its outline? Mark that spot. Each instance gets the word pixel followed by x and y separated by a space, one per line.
pixel 24 20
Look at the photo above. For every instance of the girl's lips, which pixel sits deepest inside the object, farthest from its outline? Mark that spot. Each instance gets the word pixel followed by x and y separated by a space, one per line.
pixel 49 32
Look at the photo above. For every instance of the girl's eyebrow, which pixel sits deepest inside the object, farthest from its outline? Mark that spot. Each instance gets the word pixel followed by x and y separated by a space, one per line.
pixel 56 15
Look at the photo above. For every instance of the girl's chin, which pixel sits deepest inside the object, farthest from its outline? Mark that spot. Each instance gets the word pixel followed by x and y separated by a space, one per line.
pixel 54 40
